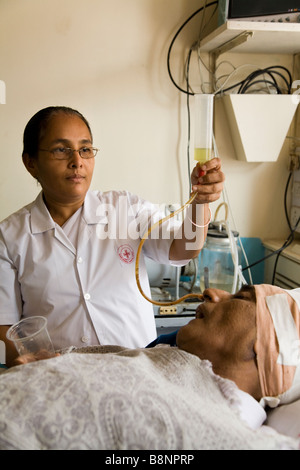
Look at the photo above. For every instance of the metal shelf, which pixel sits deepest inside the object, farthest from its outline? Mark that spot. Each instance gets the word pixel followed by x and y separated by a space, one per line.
pixel 253 37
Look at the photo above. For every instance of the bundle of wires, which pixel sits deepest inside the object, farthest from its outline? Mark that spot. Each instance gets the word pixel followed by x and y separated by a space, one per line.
pixel 269 77
pixel 259 77
pixel 202 9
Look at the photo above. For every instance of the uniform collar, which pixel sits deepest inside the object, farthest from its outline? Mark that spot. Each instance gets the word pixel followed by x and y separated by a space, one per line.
pixel 41 220
pixel 91 208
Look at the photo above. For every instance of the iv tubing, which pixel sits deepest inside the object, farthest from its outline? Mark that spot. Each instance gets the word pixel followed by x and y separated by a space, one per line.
pixel 137 261
pixel 238 277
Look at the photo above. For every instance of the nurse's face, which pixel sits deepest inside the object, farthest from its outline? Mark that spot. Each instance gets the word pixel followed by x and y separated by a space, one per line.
pixel 63 181
pixel 224 332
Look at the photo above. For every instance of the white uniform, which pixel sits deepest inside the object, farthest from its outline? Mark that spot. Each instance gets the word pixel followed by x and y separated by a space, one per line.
pixel 86 288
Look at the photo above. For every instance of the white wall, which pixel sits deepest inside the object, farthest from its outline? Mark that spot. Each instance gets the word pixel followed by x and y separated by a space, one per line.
pixel 107 58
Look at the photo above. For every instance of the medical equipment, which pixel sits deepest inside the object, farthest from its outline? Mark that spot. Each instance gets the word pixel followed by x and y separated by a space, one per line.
pixel 203 127
pixel 281 11
pixel 219 260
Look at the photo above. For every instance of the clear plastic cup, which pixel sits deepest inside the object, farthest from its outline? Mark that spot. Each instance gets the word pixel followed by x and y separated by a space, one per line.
pixel 30 336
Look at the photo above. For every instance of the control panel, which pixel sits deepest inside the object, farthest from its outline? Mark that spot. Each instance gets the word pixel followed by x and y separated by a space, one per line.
pixel 293 17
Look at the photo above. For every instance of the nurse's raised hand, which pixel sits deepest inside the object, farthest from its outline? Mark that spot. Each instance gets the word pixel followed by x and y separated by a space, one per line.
pixel 207 181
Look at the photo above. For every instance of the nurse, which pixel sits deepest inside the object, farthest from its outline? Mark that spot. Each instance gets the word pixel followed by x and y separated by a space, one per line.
pixel 69 255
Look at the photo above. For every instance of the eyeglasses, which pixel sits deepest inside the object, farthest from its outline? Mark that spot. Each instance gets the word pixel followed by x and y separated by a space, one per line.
pixel 64 153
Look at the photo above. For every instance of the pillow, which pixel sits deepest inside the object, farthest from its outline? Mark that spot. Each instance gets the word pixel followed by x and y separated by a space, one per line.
pixel 285 419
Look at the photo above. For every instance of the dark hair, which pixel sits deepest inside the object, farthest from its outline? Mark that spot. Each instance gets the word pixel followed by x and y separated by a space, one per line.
pixel 37 125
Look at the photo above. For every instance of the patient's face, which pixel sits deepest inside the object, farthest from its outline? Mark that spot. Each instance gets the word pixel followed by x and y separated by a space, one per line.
pixel 224 332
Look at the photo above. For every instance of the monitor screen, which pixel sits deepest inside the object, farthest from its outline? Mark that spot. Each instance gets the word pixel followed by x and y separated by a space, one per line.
pixel 248 8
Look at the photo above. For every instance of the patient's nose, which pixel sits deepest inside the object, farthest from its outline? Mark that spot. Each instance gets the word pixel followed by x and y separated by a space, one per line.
pixel 215 295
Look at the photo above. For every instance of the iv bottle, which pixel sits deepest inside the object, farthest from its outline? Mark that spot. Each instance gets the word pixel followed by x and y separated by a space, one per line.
pixel 216 265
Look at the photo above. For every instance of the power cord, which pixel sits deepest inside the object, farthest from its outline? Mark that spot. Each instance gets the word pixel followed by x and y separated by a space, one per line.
pixel 285 245
pixel 173 41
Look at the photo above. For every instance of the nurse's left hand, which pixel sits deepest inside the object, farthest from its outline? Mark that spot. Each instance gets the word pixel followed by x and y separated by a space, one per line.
pixel 207 181
pixel 27 358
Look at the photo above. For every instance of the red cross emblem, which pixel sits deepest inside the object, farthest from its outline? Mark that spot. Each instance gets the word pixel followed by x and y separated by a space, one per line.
pixel 126 253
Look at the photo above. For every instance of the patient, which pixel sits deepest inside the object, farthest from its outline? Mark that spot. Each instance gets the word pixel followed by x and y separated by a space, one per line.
pixel 251 338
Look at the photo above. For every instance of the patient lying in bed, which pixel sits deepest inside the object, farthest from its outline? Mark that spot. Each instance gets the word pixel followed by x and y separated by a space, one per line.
pixel 201 394
pixel 252 338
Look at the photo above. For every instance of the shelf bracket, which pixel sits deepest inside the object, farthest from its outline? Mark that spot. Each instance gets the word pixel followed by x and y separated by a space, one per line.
pixel 228 46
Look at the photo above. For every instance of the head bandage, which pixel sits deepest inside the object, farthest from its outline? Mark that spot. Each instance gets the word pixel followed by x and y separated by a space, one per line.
pixel 278 343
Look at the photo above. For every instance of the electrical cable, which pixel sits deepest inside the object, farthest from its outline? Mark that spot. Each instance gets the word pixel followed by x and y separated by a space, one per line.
pixel 277 257
pixel 279 250
pixel 243 84
pixel 200 61
pixel 287 243
pixel 202 19
pixel 246 83
pixel 285 200
pixel 292 234
pixel 255 82
pixel 173 41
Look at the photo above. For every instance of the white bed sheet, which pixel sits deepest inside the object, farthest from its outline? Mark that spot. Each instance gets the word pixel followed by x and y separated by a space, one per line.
pixel 286 419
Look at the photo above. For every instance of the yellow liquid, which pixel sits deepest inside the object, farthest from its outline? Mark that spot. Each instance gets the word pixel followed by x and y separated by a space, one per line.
pixel 202 155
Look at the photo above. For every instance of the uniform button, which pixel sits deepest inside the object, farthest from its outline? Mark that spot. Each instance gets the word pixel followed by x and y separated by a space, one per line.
pixel 87 296
pixel 79 260
pixel 85 339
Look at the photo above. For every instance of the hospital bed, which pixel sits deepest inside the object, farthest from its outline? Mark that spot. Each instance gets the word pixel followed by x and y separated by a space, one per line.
pixel 114 398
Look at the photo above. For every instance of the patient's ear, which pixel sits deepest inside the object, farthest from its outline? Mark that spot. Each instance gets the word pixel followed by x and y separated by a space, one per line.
pixel 30 164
